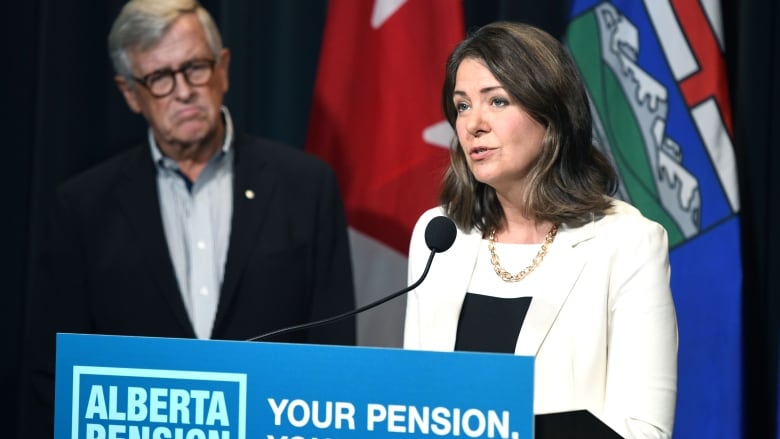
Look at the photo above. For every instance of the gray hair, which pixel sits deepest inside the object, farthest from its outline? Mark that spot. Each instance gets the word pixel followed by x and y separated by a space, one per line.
pixel 142 23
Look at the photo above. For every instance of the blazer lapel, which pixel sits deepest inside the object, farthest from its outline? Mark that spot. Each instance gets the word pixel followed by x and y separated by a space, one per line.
pixel 252 192
pixel 545 307
pixel 139 200
pixel 452 276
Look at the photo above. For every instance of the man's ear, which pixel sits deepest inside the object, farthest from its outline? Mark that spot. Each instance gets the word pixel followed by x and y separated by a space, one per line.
pixel 128 91
pixel 223 68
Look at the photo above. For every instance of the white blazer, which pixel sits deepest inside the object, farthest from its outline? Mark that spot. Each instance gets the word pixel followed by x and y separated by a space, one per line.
pixel 601 323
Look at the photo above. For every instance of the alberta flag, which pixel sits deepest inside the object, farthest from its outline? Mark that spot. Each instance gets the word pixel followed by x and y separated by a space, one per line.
pixel 655 73
pixel 377 119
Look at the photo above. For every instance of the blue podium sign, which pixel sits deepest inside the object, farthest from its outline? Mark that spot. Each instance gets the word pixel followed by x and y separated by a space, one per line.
pixel 112 387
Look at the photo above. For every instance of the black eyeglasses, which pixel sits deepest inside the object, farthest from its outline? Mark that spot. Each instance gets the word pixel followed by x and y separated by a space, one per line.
pixel 161 83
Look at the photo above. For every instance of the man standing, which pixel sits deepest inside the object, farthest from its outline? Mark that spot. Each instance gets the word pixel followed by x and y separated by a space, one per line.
pixel 200 232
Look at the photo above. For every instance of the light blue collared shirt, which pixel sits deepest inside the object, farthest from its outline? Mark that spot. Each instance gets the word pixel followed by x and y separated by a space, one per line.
pixel 196 218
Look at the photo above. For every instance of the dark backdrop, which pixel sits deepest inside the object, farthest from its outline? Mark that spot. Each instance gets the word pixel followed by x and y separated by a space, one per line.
pixel 62 114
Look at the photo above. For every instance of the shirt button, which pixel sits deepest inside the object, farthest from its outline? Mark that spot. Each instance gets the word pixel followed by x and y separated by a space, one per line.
pixel 201 244
pixel 204 291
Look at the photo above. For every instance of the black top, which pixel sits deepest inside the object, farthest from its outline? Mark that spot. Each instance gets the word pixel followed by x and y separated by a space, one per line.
pixel 490 324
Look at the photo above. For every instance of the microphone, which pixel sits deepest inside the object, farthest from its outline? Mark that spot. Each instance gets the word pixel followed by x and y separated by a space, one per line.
pixel 439 236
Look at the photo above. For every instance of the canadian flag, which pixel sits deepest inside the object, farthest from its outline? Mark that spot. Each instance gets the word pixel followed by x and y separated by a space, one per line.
pixel 377 119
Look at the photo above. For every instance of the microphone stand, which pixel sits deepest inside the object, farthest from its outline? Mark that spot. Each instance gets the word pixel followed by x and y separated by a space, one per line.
pixel 348 313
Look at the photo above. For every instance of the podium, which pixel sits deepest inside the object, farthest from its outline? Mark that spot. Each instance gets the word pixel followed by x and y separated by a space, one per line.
pixel 122 387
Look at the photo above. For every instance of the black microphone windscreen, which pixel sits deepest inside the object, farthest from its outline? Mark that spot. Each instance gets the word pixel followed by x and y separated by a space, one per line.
pixel 440 234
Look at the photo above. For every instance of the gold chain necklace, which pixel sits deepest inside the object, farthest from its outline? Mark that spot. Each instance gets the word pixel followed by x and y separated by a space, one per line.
pixel 505 275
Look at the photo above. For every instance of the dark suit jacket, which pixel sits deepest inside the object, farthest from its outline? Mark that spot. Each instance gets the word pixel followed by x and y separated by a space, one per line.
pixel 106 268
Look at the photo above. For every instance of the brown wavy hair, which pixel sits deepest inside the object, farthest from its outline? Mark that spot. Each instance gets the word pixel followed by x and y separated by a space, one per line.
pixel 572 181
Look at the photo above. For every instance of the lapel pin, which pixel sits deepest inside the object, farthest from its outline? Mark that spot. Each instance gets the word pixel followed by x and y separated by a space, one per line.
pixel 249 194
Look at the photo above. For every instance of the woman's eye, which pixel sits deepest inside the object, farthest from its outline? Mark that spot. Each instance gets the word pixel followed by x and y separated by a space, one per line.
pixel 461 107
pixel 500 102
